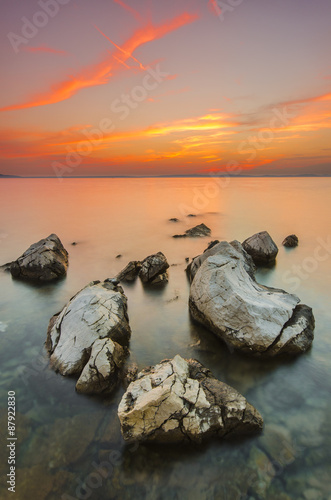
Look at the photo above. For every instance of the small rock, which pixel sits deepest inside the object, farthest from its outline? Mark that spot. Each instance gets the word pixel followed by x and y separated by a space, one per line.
pixel 261 247
pixel 130 272
pixel 291 241
pixel 118 256
pixel 187 259
pixel 74 243
pixel 195 232
pixel 191 215
pixel 211 245
pixel 153 266
pixel 130 374
pixel 160 279
pixel 174 219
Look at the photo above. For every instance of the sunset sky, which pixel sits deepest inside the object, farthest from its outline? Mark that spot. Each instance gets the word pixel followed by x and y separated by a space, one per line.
pixel 165 87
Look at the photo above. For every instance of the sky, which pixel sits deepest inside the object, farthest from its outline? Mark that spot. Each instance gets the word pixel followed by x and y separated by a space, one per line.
pixel 165 87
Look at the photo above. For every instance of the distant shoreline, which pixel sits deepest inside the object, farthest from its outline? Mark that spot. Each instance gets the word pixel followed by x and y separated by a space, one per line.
pixel 164 176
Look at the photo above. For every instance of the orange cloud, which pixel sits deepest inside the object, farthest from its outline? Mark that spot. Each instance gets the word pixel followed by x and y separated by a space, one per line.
pixel 44 48
pixel 100 74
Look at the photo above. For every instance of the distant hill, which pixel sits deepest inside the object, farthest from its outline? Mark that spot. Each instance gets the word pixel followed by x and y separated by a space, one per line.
pixel 4 176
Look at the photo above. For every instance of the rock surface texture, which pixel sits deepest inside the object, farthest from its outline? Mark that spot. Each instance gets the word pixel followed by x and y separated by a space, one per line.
pixel 261 247
pixel 291 241
pixel 152 267
pixel 90 335
pixel 45 260
pixel 180 400
pixel 250 317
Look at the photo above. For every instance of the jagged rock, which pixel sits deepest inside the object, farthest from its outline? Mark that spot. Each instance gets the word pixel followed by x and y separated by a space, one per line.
pixel 261 247
pixel 130 374
pixel 234 250
pixel 180 400
pixel 246 315
pixel 130 272
pixel 100 374
pixel 291 241
pixel 195 232
pixel 45 260
pixel 98 311
pixel 152 266
pixel 160 279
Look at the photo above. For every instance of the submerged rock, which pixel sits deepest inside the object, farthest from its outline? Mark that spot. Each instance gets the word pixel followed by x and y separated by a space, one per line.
pixel 250 317
pixel 261 247
pixel 195 232
pixel 45 260
pixel 98 311
pixel 153 266
pixel 180 400
pixel 130 272
pixel 291 241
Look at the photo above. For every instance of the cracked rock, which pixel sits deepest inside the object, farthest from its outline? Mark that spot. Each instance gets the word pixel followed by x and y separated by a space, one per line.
pixel 180 400
pixel 98 311
pixel 130 272
pixel 250 317
pixel 261 247
pixel 45 260
pixel 152 267
pixel 291 241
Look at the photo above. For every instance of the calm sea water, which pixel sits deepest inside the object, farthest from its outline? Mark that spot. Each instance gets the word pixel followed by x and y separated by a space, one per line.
pixel 64 437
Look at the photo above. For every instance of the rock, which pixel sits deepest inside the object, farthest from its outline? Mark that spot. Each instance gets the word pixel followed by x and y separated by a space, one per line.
pixel 195 232
pixel 180 400
pixel 191 215
pixel 261 247
pixel 118 256
pixel 248 316
pixel 45 260
pixel 100 374
pixel 74 243
pixel 152 266
pixel 291 241
pixel 211 244
pixel 130 272
pixel 160 279
pixel 174 219
pixel 187 259
pixel 130 374
pixel 234 250
pixel 98 311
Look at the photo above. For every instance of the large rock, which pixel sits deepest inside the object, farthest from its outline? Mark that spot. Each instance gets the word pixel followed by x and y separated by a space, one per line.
pixel 246 315
pixel 130 272
pixel 153 266
pixel 179 400
pixel 234 250
pixel 261 247
pixel 45 260
pixel 98 311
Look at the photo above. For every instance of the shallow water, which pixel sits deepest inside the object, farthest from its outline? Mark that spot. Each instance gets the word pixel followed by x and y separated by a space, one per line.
pixel 63 437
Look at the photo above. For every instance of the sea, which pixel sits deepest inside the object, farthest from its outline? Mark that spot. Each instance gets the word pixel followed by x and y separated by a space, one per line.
pixel 69 446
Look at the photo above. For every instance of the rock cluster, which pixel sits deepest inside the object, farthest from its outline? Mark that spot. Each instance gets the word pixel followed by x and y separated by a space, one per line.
pixel 45 260
pixel 180 400
pixel 153 270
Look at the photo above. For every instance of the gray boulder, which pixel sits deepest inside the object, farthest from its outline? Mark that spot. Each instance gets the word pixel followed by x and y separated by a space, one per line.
pixel 153 266
pixel 98 311
pixel 248 316
pixel 261 247
pixel 45 260
pixel 291 241
pixel 180 400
